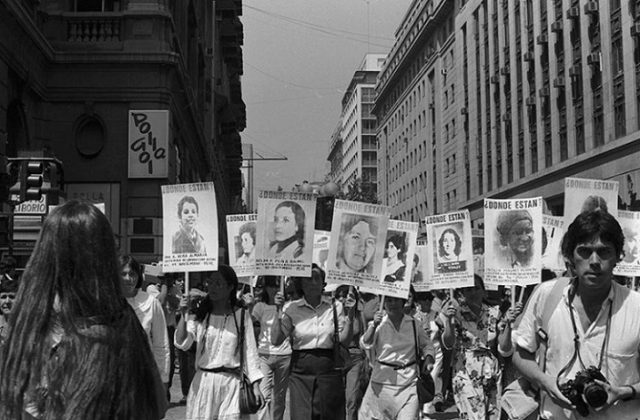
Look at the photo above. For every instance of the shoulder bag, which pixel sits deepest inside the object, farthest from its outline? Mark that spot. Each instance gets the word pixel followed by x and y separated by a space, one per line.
pixel 426 386
pixel 249 404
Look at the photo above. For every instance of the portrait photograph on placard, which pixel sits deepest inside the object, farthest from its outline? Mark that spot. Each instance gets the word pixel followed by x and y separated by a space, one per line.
pixel 552 233
pixel 589 194
pixel 285 233
pixel 419 277
pixel 190 226
pixel 513 241
pixel 630 264
pixel 356 246
pixel 241 238
pixel 321 248
pixel 397 264
pixel 449 250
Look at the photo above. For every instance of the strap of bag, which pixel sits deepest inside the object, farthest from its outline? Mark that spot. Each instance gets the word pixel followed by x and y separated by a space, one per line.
pixel 417 349
pixel 336 337
pixel 241 341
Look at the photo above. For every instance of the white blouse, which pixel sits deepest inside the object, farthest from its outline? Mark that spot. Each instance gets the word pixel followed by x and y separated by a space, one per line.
pixel 217 341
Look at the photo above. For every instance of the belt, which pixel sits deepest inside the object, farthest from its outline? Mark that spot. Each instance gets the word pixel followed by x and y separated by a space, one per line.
pixel 397 367
pixel 221 369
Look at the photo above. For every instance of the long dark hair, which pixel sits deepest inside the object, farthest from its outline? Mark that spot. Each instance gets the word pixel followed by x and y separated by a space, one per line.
pixel 102 366
pixel 203 306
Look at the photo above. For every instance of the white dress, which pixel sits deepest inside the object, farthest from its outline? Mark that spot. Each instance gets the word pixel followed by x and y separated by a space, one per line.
pixel 215 395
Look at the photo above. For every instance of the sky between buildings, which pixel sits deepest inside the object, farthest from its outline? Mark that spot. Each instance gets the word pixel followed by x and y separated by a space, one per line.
pixel 299 56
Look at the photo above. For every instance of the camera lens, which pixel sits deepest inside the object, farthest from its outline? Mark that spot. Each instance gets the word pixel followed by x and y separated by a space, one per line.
pixel 595 395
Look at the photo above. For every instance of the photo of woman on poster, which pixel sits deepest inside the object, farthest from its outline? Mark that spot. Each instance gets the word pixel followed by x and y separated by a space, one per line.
pixel 288 232
pixel 247 239
pixel 357 243
pixel 393 265
pixel 187 239
pixel 449 246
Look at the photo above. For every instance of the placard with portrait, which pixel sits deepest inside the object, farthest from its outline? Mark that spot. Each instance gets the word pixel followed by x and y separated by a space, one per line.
pixel 241 239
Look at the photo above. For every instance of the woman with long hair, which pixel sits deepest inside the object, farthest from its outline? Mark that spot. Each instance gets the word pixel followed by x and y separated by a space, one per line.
pixel 393 266
pixel 288 231
pixel 75 348
pixel 148 310
pixel 214 323
pixel 274 360
pixel 312 323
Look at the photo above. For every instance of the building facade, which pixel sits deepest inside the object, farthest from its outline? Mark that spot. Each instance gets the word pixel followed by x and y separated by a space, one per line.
pixel 503 99
pixel 358 126
pixel 72 71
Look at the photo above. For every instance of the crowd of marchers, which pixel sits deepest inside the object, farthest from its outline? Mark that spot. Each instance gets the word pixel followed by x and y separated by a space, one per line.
pixel 84 335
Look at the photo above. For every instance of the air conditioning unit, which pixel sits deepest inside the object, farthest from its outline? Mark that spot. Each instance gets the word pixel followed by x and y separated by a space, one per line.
pixel 635 29
pixel 558 82
pixel 556 26
pixel 543 92
pixel 591 7
pixel 463 110
pixel 506 117
pixel 504 71
pixel 593 59
pixel 432 105
pixel 573 12
pixel 575 71
pixel 531 101
pixel 542 39
pixel 528 56
pixel 495 79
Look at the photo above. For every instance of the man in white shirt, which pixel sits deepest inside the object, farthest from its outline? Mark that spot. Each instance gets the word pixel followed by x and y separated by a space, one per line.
pixel 595 324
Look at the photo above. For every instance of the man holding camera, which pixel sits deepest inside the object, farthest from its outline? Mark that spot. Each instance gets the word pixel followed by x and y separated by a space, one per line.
pixel 592 336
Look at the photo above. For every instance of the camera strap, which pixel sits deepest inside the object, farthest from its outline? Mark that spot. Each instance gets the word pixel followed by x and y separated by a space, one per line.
pixel 576 340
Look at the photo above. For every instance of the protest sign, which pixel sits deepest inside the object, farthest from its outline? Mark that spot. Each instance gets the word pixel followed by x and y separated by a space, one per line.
pixel 552 233
pixel 513 241
pixel 321 248
pixel 148 143
pixel 419 281
pixel 190 226
pixel 449 250
pixel 397 264
pixel 630 264
pixel 589 194
pixel 241 238
pixel 285 233
pixel 356 246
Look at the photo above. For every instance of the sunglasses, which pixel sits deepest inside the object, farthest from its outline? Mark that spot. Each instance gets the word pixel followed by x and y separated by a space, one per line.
pixel 603 253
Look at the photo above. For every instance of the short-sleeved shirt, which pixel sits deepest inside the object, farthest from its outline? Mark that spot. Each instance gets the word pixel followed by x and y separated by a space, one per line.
pixel 266 314
pixel 396 347
pixel 309 327
pixel 621 363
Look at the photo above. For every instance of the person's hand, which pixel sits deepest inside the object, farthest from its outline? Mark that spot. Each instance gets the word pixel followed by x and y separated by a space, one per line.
pixel 429 363
pixel 258 393
pixel 450 311
pixel 377 318
pixel 614 394
pixel 193 292
pixel 551 388
pixel 247 300
pixel 184 303
pixel 278 300
pixel 513 313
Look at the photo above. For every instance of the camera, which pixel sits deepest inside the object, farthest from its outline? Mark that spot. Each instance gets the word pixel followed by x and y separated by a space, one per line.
pixel 584 385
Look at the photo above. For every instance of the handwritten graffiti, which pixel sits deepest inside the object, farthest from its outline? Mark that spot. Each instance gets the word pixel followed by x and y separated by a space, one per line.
pixel 146 146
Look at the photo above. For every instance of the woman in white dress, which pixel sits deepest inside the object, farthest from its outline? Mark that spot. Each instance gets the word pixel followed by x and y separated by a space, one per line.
pixel 214 323
pixel 149 311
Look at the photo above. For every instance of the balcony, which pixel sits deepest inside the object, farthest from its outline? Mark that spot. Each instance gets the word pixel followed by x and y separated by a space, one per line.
pixel 542 39
pixel 556 26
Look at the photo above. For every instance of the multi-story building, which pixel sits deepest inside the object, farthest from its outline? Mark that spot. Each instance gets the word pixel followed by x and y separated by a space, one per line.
pixel 488 98
pixel 335 155
pixel 358 125
pixel 74 73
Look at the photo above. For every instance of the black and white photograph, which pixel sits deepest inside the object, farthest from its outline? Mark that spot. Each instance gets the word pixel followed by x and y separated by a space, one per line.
pixel 241 238
pixel 581 194
pixel 190 226
pixel 398 261
pixel 630 264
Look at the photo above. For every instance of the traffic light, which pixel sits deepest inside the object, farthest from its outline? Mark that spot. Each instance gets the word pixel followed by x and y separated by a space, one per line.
pixel 33 180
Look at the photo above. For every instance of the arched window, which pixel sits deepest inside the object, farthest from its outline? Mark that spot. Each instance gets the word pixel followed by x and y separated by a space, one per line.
pixel 89 136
